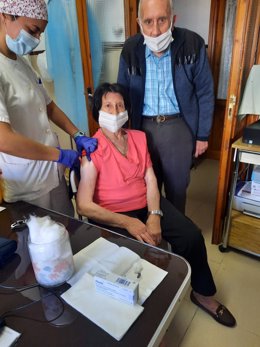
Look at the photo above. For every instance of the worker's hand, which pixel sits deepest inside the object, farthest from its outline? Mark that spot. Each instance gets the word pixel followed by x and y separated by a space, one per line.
pixel 138 229
pixel 201 147
pixel 89 144
pixel 153 225
pixel 68 157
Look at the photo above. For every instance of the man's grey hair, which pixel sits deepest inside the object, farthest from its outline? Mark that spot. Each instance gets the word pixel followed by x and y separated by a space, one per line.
pixel 141 2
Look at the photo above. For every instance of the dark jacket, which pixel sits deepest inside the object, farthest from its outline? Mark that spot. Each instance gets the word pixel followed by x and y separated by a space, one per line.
pixel 191 76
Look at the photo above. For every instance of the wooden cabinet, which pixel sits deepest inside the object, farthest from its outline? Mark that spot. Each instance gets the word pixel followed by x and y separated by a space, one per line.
pixel 241 231
pixel 244 233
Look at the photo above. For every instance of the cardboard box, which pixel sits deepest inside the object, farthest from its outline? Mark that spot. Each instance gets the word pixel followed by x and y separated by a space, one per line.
pixel 117 287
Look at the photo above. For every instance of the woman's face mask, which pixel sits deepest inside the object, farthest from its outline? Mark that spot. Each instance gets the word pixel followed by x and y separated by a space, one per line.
pixel 23 44
pixel 112 122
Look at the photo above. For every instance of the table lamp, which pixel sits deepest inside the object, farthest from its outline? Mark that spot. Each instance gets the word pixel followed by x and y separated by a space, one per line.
pixel 250 104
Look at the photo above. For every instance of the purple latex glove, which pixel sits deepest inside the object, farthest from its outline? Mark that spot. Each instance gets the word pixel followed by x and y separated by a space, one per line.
pixel 87 143
pixel 68 157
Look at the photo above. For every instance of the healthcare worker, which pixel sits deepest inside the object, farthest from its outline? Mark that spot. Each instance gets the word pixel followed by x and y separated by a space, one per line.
pixel 31 161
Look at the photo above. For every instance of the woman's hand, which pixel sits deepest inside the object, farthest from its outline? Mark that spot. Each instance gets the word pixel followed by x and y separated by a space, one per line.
pixel 153 225
pixel 139 230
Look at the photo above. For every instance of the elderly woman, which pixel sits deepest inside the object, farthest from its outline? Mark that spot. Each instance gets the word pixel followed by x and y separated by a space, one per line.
pixel 118 189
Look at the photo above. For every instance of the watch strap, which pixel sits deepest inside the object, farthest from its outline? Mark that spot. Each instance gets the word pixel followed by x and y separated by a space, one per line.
pixel 78 133
pixel 156 212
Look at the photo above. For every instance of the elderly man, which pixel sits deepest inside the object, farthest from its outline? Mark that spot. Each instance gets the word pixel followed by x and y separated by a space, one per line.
pixel 168 79
pixel 167 74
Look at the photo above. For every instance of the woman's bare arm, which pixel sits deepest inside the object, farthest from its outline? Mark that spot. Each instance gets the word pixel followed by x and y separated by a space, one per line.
pixel 88 208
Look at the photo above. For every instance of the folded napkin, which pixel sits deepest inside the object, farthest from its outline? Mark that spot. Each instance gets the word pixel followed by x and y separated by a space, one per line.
pixel 151 277
pixel 103 255
pixel 114 316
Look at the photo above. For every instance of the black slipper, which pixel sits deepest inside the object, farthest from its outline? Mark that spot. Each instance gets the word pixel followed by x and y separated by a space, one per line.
pixel 222 314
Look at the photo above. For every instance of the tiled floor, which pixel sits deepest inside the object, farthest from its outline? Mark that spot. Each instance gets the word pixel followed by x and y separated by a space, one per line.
pixel 237 277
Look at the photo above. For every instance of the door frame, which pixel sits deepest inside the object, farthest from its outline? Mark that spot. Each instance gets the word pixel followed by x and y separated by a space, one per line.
pixel 242 61
pixel 84 39
pixel 82 15
pixel 216 32
pixel 130 17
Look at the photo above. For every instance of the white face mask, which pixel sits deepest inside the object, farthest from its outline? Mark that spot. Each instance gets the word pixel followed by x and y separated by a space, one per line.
pixel 159 43
pixel 23 44
pixel 112 122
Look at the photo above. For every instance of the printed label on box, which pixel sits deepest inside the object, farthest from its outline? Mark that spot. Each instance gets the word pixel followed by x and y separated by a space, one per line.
pixel 118 287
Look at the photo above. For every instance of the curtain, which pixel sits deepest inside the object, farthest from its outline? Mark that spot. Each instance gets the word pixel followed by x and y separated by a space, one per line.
pixel 64 60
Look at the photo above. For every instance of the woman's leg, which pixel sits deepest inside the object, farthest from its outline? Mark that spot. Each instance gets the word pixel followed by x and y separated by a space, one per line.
pixel 186 240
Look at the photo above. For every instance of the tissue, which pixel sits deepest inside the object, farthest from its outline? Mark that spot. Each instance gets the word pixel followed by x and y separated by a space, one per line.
pixel 50 251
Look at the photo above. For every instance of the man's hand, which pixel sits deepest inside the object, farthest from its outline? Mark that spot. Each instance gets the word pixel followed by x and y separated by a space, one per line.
pixel 153 225
pixel 201 147
pixel 138 229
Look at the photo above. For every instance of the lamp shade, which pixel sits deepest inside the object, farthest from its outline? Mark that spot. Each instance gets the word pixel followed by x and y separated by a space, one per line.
pixel 250 103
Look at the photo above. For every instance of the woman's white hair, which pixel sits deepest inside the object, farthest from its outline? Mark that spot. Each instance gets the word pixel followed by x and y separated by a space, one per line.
pixel 141 2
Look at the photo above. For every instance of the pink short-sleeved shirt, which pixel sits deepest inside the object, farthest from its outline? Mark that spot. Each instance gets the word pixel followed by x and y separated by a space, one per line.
pixel 120 185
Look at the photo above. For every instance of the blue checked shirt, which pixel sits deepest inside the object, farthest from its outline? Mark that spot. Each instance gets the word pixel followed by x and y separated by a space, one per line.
pixel 159 96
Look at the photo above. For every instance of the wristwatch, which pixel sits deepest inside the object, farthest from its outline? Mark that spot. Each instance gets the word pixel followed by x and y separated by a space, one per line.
pixel 156 212
pixel 78 133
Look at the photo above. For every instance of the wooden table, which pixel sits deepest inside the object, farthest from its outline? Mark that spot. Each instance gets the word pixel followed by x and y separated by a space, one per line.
pixel 72 328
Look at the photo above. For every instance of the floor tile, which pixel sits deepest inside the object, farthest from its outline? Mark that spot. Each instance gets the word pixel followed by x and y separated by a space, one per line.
pixel 205 332
pixel 237 278
pixel 180 323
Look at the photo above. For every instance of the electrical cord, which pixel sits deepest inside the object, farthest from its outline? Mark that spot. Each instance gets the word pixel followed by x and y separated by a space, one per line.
pixel 17 289
pixel 12 313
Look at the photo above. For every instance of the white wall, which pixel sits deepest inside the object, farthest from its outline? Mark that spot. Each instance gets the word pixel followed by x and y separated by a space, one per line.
pixel 193 15
pixel 110 17
pixel 64 138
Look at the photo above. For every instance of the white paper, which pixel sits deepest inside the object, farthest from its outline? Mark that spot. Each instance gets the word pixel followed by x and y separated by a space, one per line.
pixel 113 316
pixel 2 208
pixel 105 255
pixel 8 336
pixel 99 308
pixel 151 277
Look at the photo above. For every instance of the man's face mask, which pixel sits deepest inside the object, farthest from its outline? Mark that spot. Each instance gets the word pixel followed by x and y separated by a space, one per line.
pixel 23 44
pixel 112 122
pixel 159 43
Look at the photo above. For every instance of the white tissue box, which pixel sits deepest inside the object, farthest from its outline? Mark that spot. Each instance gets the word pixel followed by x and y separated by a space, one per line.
pixel 118 287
